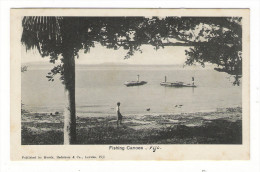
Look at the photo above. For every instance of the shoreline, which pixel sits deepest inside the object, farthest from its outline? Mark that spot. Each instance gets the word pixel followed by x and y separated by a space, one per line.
pixel 223 126
pixel 107 114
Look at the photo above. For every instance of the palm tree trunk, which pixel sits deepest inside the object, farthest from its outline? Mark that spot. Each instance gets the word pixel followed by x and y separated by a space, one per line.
pixel 68 33
pixel 70 109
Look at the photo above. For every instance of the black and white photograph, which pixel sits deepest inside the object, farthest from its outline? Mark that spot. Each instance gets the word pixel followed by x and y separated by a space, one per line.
pixel 133 80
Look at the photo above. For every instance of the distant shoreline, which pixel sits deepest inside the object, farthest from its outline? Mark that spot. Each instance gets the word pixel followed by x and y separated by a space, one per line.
pixel 47 64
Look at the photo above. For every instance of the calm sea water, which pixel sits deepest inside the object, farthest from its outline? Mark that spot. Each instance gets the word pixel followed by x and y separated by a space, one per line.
pixel 99 88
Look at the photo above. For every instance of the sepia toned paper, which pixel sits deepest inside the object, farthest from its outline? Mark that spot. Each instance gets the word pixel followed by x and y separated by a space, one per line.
pixel 126 151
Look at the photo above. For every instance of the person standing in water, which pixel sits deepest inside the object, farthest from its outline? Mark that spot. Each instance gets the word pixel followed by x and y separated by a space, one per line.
pixel 119 116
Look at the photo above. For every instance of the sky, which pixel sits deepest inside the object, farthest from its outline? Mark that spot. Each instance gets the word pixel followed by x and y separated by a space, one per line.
pixel 170 55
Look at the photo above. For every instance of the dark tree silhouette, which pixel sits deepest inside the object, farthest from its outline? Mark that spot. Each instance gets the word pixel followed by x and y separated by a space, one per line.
pixel 223 46
pixel 64 36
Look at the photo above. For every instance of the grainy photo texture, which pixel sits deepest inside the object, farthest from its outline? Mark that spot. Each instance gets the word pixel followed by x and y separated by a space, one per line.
pixel 169 102
pixel 131 80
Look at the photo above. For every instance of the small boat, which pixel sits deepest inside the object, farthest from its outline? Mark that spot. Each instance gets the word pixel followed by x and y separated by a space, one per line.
pixel 177 84
pixel 135 83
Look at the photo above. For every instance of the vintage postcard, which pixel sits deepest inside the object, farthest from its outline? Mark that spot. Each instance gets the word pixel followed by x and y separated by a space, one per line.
pixel 130 84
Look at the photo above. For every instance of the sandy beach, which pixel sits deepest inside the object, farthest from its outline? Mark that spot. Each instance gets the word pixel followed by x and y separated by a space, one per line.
pixel 223 126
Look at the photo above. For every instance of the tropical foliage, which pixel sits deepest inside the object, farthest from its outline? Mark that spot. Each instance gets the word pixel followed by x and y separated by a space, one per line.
pixel 215 40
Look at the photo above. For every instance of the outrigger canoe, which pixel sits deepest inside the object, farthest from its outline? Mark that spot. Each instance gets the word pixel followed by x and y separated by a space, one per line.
pixel 134 83
pixel 176 84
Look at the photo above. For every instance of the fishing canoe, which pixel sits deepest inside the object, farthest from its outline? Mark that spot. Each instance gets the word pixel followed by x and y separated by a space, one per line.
pixel 176 84
pixel 134 83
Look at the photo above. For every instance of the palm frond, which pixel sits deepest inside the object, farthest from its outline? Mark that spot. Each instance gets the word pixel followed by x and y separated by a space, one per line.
pixel 39 31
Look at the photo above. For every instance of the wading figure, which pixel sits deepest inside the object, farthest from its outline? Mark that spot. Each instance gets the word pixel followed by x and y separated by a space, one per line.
pixel 119 116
